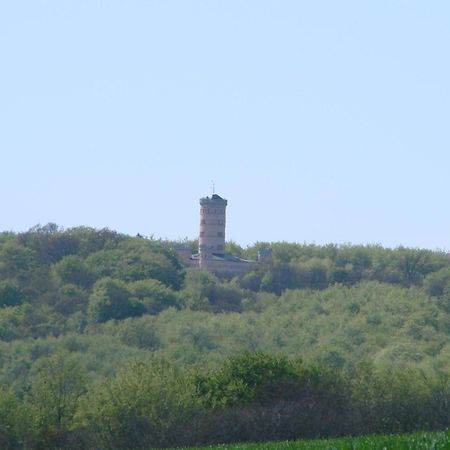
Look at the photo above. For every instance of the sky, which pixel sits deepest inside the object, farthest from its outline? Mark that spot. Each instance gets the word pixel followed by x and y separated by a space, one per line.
pixel 319 121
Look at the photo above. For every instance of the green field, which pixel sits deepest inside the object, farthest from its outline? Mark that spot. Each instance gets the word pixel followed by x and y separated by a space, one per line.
pixel 417 441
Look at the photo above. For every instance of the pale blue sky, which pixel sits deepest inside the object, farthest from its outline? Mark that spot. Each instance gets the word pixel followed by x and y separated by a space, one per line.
pixel 320 121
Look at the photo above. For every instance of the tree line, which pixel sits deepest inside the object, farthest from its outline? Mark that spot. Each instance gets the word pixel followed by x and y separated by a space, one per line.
pixel 87 317
pixel 52 280
pixel 249 397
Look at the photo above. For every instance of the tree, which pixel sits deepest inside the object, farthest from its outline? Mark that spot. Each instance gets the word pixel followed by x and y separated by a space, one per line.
pixel 154 295
pixel 111 299
pixel 16 260
pixel 438 282
pixel 50 242
pixel 14 432
pixel 10 294
pixel 57 384
pixel 139 332
pixel 71 299
pixel 196 283
pixel 144 406
pixel 241 376
pixel 204 291
pixel 282 276
pixel 138 259
pixel 413 265
pixel 73 270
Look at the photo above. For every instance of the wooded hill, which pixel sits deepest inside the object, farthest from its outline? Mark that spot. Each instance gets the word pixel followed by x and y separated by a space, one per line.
pixel 92 302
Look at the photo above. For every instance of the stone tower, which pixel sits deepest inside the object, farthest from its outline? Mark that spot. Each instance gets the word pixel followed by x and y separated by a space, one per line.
pixel 211 239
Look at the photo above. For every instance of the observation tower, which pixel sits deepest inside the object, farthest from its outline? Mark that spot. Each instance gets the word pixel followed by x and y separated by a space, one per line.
pixel 211 240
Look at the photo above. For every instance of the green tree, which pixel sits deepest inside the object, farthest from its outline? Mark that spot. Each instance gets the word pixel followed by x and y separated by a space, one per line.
pixel 10 294
pixel 111 299
pixel 50 242
pixel 16 259
pixel 195 286
pixel 14 426
pixel 92 240
pixel 438 282
pixel 138 259
pixel 11 318
pixel 139 332
pixel 71 299
pixel 241 376
pixel 203 291
pixel 144 406
pixel 57 384
pixel 73 270
pixel 154 295
pixel 282 276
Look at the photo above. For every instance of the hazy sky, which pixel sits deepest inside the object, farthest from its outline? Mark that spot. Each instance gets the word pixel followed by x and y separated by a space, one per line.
pixel 320 121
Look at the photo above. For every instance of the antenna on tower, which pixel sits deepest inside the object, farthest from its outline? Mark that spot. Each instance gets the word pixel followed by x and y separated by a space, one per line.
pixel 213 186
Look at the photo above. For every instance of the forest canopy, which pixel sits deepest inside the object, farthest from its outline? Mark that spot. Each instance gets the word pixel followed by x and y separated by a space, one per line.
pixel 97 311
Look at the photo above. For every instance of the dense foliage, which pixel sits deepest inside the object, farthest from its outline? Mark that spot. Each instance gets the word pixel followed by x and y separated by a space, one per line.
pixel 109 341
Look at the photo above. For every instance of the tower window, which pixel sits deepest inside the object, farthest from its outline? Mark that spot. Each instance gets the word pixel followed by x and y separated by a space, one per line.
pixel 220 233
pixel 203 221
pixel 202 233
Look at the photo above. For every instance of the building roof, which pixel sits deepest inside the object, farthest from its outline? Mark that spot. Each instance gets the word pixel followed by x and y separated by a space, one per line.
pixel 223 257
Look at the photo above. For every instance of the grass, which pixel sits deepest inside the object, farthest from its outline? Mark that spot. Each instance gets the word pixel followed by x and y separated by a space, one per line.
pixel 416 441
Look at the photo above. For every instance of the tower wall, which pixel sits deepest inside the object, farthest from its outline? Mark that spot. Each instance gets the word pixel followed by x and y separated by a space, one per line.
pixel 212 228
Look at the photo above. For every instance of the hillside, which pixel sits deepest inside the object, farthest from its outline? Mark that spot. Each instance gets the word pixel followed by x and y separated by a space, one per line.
pixel 101 301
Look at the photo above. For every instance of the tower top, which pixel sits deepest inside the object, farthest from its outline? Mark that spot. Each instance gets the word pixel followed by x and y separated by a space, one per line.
pixel 214 199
